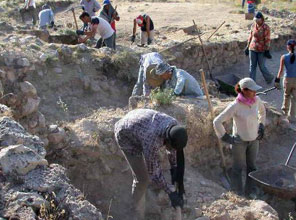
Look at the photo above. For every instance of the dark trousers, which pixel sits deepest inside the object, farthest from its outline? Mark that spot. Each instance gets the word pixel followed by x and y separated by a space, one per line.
pixel 244 153
pixel 32 13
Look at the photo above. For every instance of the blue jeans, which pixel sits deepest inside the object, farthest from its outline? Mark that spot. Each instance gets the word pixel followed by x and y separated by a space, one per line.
pixel 243 3
pixel 258 58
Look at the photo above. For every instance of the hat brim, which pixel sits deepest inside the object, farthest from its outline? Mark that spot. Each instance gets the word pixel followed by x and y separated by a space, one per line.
pixel 255 88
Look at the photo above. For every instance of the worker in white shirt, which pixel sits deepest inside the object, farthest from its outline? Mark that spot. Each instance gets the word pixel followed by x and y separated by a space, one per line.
pixel 30 8
pixel 248 114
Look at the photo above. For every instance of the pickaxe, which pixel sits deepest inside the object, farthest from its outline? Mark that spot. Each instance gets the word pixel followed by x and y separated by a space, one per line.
pixel 72 9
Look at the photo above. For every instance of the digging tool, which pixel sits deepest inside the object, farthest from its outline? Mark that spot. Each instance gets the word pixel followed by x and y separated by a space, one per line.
pixel 115 11
pixel 73 12
pixel 266 91
pixel 204 52
pixel 216 30
pixel 226 180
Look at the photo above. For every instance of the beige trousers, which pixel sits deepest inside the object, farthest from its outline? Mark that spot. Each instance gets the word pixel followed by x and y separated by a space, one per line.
pixel 140 183
pixel 289 103
pixel 144 36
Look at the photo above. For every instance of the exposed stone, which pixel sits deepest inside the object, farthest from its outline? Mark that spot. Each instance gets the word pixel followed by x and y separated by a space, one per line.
pixel 28 89
pixel 30 106
pixel 23 62
pixel 12 133
pixel 20 159
pixel 56 135
pixel 21 199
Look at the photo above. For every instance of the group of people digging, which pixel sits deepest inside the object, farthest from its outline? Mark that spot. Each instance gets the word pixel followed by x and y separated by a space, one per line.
pixel 143 132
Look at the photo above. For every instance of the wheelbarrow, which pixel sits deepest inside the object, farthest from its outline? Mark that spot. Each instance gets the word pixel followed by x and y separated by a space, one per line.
pixel 278 180
pixel 226 83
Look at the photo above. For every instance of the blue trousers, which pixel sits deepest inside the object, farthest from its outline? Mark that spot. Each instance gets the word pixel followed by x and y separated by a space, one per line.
pixel 257 58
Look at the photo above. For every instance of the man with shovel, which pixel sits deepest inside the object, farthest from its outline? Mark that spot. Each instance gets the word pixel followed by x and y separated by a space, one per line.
pixel 98 25
pixel 140 135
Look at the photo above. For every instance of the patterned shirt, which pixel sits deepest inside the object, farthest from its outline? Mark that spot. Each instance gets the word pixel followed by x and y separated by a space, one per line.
pixel 142 131
pixel 259 39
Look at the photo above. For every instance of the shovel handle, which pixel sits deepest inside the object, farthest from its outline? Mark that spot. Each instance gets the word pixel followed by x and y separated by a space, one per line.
pixel 76 25
pixel 178 213
pixel 290 155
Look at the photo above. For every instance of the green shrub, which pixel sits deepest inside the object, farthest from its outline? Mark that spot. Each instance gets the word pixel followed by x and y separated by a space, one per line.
pixel 162 97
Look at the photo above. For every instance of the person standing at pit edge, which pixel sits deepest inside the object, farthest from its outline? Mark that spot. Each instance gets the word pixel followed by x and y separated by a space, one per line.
pixel 30 8
pixel 140 135
pixel 248 115
pixel 288 61
pixel 147 29
pixel 258 48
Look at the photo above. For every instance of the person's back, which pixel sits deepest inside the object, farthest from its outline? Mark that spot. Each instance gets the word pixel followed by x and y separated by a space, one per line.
pixel 290 67
pixel 145 125
pixel 104 28
pixel 45 17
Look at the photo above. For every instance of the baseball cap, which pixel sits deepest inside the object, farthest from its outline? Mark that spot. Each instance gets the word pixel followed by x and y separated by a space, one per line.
pixel 258 15
pixel 161 68
pixel 248 83
pixel 106 2
pixel 291 42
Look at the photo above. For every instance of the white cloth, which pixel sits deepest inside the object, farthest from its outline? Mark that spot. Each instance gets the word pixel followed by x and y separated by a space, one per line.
pixel 32 3
pixel 104 29
pixel 91 7
pixel 246 119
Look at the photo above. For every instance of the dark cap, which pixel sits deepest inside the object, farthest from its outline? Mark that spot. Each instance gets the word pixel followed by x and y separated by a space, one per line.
pixel 177 137
pixel 258 15
pixel 291 42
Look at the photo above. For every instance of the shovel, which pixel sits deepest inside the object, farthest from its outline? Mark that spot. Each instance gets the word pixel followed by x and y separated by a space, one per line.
pixel 266 91
pixel 224 178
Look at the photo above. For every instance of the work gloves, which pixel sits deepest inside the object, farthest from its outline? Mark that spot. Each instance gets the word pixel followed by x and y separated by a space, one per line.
pixel 149 41
pixel 277 83
pixel 260 132
pixel 176 199
pixel 80 32
pixel 247 50
pixel 267 54
pixel 51 24
pixel 133 38
pixel 231 139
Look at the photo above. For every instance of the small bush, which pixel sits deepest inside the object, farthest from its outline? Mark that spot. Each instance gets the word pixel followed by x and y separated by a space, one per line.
pixel 53 211
pixel 162 97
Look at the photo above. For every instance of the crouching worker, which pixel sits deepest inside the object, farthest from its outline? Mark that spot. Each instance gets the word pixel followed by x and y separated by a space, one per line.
pixel 248 115
pixel 99 25
pixel 179 80
pixel 46 17
pixel 147 29
pixel 140 135
pixel 147 62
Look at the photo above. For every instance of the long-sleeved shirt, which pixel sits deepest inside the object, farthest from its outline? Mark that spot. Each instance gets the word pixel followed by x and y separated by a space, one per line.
pixel 246 119
pixel 259 38
pixel 183 83
pixel 145 61
pixel 142 131
pixel 45 17
pixel 91 7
